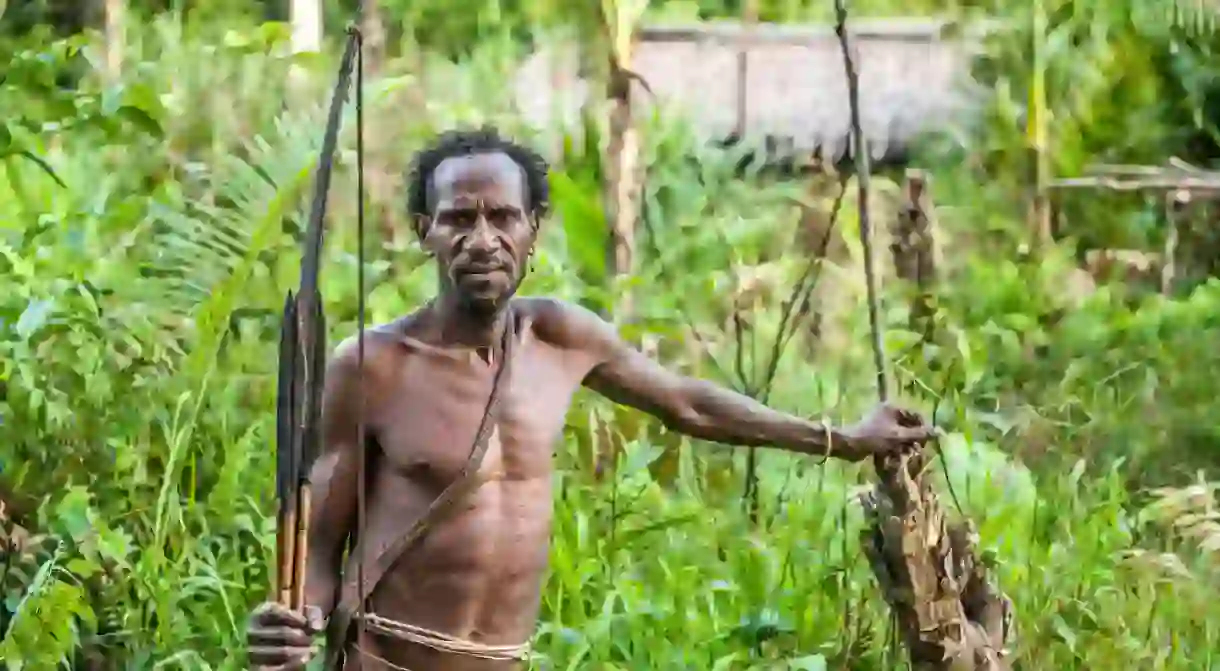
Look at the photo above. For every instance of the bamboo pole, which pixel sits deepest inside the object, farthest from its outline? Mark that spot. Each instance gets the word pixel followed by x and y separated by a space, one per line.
pixel 621 185
pixel 1037 135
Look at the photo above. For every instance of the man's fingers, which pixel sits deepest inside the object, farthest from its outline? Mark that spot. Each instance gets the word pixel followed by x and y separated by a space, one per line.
pixel 277 658
pixel 281 637
pixel 909 418
pixel 921 434
pixel 274 614
pixel 900 416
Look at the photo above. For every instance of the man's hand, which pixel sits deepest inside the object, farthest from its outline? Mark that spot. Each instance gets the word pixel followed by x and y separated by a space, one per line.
pixel 888 430
pixel 281 639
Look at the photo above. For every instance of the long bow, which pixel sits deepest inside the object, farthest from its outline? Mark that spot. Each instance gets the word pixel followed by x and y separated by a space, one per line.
pixel 302 356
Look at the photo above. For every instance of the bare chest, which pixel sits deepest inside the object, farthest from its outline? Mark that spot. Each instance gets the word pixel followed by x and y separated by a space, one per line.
pixel 428 419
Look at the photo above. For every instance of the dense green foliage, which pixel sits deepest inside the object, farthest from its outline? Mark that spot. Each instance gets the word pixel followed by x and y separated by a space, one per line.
pixel 149 228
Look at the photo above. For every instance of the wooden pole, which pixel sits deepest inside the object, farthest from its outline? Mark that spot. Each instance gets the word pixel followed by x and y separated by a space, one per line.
pixel 913 248
pixel 1037 135
pixel 1175 207
pixel 948 614
pixel 749 20
pixel 917 31
pixel 115 37
pixel 621 186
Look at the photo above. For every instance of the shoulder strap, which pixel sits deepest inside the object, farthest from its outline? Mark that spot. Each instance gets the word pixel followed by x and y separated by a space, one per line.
pixel 351 592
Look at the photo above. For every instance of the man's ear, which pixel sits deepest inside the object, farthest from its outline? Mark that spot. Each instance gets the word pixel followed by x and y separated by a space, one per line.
pixel 422 224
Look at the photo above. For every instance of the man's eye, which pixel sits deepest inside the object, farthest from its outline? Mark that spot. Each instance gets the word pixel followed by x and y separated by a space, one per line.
pixel 502 217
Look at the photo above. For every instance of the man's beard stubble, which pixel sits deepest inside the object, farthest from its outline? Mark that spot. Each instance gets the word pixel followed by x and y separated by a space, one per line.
pixel 487 306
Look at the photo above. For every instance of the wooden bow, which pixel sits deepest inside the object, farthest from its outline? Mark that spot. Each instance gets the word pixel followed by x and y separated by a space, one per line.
pixel 302 356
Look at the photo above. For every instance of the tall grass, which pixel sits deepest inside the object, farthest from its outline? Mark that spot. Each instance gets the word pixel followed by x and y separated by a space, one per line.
pixel 137 329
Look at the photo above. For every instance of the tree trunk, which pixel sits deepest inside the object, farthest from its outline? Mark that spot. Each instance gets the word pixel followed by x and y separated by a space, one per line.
pixel 1038 133
pixel 115 17
pixel 621 186
pixel 380 155
pixel 621 174
pixel 374 31
pixel 949 615
pixel 306 26
pixel 306 20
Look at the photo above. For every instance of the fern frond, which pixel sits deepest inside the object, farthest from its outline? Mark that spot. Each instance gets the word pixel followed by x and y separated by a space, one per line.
pixel 203 253
pixel 1196 16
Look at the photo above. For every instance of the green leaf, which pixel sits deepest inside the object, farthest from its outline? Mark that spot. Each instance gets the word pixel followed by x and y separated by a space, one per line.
pixel 34 317
pixel 808 663
pixel 81 567
pixel 141 119
pixel 72 513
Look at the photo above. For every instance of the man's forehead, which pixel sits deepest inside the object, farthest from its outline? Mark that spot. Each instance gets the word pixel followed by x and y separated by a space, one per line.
pixel 478 172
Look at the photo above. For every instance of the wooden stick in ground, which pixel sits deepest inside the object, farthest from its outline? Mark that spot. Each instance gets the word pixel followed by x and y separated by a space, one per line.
pixel 913 249
pixel 1175 207
pixel 859 146
pixel 949 616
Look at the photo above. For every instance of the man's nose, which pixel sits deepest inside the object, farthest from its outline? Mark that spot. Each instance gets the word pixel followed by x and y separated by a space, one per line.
pixel 483 236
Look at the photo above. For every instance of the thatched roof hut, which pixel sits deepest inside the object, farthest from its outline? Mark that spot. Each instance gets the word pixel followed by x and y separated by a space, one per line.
pixel 913 78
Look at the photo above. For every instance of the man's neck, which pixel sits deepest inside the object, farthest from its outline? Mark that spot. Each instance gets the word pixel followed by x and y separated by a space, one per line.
pixel 458 325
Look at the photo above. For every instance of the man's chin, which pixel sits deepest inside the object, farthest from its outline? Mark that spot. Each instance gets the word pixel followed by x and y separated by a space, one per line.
pixel 484 294
pixel 486 301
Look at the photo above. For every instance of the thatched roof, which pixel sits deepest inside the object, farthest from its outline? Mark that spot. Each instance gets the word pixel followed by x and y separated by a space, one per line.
pixel 912 78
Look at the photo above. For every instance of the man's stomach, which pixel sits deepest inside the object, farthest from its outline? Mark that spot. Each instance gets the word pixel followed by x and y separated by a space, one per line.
pixel 476 575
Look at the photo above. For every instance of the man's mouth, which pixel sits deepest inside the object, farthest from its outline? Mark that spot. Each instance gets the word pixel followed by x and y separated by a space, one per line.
pixel 479 271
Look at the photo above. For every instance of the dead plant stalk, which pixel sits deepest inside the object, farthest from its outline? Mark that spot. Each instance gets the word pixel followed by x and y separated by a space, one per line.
pixel 948 615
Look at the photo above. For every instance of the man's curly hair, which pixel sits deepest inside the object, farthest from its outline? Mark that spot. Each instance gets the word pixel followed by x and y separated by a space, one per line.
pixel 486 140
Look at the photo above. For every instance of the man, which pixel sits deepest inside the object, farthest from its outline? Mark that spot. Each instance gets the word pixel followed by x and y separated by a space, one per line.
pixel 466 596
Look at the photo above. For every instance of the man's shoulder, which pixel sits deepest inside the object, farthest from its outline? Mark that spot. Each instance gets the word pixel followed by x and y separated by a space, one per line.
pixel 561 323
pixel 378 340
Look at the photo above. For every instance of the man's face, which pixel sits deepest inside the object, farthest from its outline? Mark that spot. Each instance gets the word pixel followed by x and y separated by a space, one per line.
pixel 481 231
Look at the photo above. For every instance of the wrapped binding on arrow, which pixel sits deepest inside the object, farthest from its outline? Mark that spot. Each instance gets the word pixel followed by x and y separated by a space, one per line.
pixel 302 365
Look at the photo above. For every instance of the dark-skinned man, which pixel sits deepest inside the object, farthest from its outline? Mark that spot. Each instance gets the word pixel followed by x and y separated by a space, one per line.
pixel 466 596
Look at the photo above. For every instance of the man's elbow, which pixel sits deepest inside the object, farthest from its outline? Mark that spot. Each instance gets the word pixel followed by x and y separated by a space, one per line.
pixel 707 412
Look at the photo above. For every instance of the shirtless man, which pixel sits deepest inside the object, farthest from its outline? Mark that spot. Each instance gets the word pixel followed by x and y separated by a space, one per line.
pixel 476 576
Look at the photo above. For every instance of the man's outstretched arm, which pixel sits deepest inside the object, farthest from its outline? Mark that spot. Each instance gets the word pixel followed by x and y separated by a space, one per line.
pixel 701 409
